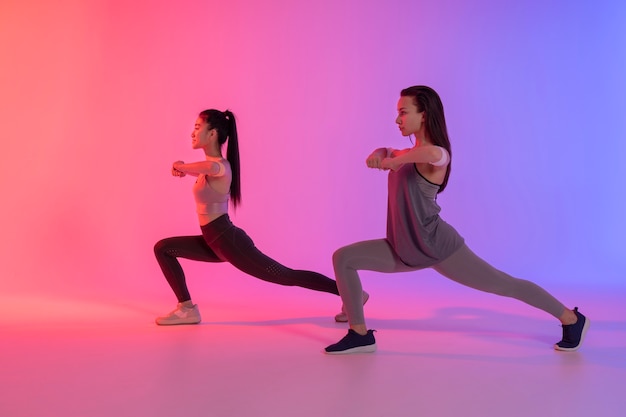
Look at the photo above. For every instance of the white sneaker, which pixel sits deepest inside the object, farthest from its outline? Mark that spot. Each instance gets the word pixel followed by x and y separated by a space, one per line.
pixel 182 315
pixel 343 316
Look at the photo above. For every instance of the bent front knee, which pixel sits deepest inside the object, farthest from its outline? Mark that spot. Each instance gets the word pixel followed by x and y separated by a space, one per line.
pixel 341 257
pixel 161 247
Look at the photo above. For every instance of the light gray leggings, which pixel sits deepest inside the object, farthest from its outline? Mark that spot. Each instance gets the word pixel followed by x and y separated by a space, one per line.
pixel 463 266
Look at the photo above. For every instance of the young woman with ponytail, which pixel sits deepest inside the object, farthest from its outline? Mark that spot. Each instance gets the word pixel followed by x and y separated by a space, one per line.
pixel 217 183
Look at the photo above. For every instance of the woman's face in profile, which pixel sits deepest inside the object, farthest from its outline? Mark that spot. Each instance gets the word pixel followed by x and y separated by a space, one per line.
pixel 201 134
pixel 409 119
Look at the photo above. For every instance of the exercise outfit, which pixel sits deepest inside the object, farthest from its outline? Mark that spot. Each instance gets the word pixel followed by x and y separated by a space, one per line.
pixel 418 238
pixel 221 241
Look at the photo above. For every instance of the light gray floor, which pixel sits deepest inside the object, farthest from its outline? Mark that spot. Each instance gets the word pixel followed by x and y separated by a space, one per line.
pixel 446 351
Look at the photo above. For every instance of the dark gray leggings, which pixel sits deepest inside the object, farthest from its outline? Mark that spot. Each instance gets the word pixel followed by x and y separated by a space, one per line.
pixel 221 241
pixel 463 266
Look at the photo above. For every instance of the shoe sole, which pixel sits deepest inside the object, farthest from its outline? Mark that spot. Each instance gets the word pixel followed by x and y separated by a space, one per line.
pixel 176 323
pixel 358 349
pixel 582 337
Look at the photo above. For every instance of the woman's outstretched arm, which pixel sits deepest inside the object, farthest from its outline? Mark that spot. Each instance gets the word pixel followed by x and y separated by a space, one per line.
pixel 211 168
pixel 428 154
pixel 375 159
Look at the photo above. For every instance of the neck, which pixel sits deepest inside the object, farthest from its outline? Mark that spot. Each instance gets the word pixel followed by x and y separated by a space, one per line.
pixel 212 152
pixel 421 139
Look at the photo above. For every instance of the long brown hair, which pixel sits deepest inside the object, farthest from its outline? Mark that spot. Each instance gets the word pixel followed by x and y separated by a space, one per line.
pixel 427 100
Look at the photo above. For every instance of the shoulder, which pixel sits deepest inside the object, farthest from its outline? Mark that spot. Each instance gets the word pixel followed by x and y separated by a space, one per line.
pixel 441 157
pixel 218 166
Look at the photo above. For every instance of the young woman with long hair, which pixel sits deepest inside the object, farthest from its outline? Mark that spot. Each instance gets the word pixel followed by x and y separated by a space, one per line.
pixel 217 183
pixel 418 238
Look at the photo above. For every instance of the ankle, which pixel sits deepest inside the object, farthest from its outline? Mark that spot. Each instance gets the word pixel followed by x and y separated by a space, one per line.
pixel 568 317
pixel 360 329
pixel 187 304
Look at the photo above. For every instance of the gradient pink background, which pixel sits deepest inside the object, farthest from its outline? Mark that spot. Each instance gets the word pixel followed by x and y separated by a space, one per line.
pixel 99 97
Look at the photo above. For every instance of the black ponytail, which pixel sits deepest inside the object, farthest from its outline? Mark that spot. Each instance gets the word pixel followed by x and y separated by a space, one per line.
pixel 232 154
pixel 224 123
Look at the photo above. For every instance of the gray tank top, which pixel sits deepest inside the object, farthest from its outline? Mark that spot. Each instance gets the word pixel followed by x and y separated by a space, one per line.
pixel 414 229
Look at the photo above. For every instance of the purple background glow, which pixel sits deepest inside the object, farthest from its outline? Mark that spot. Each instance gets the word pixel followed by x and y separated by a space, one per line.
pixel 99 97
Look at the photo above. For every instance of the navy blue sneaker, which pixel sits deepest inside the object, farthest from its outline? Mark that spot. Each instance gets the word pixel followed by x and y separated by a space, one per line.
pixel 573 334
pixel 354 343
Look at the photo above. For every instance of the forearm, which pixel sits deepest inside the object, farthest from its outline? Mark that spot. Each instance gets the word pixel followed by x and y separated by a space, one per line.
pixel 198 168
pixel 418 155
